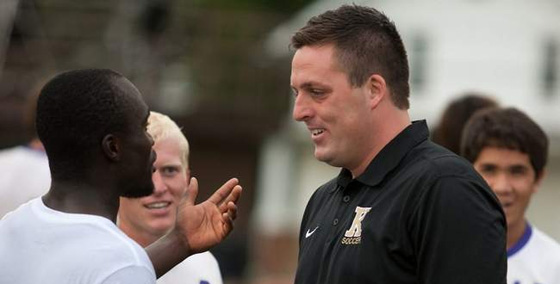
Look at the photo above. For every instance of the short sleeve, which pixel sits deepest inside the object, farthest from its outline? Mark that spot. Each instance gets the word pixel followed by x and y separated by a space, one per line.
pixel 460 234
pixel 131 275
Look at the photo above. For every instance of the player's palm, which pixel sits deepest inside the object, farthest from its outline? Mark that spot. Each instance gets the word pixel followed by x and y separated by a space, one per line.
pixel 208 223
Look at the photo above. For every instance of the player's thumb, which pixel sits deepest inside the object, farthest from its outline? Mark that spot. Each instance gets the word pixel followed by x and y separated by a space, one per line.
pixel 191 192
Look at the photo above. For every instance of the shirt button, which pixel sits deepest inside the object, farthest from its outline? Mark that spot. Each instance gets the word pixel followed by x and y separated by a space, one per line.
pixel 335 222
pixel 346 198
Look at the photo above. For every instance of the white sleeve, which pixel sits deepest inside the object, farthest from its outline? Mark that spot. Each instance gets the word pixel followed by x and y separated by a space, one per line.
pixel 197 268
pixel 131 275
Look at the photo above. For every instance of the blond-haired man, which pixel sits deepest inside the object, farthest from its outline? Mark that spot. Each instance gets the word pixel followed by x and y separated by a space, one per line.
pixel 148 218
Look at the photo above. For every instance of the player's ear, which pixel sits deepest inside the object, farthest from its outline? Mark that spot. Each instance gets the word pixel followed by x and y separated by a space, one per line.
pixel 111 147
pixel 376 87
pixel 539 177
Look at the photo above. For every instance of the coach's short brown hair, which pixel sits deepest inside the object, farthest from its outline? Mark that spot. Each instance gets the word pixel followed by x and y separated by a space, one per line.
pixel 366 42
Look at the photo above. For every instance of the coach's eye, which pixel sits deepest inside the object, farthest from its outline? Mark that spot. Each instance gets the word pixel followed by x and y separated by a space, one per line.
pixel 316 92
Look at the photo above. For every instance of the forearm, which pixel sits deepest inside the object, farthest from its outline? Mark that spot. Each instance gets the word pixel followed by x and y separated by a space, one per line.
pixel 167 252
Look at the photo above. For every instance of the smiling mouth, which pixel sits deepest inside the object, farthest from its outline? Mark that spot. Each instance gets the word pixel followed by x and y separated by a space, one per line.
pixel 507 204
pixel 316 132
pixel 158 205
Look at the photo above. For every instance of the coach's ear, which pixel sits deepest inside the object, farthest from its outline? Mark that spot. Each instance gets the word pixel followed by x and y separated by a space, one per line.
pixel 376 88
pixel 111 147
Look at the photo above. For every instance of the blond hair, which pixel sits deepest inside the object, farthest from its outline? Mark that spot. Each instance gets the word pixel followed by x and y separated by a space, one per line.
pixel 160 127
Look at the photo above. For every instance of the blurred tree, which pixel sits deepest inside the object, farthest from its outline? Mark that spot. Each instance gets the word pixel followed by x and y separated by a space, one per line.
pixel 284 6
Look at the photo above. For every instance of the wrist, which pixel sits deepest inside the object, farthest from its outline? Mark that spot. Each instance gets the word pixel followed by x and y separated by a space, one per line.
pixel 178 241
pixel 168 251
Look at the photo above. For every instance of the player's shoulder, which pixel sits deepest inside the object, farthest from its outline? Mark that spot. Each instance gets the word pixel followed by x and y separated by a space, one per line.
pixel 12 154
pixel 108 249
pixel 202 259
pixel 90 237
pixel 546 243
pixel 198 268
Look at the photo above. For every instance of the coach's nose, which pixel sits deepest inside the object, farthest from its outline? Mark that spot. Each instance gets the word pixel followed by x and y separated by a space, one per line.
pixel 303 108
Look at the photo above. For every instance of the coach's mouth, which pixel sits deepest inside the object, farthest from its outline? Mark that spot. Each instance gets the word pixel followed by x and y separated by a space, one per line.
pixel 318 131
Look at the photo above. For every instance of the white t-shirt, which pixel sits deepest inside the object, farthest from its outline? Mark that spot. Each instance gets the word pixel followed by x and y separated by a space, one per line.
pixel 41 245
pixel 24 175
pixel 200 268
pixel 534 259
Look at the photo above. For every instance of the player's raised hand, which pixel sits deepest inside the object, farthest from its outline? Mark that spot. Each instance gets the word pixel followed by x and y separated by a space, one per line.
pixel 206 224
pixel 198 227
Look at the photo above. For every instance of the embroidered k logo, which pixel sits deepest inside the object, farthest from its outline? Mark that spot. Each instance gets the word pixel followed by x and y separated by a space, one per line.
pixel 356 228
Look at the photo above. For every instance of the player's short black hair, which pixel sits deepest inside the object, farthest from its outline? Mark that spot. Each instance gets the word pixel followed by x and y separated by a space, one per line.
pixel 507 128
pixel 75 110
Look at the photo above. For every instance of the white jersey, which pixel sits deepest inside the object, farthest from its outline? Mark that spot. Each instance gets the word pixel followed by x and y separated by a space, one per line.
pixel 200 268
pixel 534 259
pixel 41 245
pixel 24 175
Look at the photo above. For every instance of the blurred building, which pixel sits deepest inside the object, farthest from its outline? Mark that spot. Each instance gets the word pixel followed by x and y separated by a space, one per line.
pixel 509 49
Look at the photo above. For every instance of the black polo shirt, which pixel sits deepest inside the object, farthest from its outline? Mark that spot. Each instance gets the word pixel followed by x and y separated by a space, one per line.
pixel 418 214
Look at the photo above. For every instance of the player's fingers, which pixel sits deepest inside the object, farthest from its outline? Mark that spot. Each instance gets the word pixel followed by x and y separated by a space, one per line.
pixel 228 223
pixel 233 197
pixel 224 191
pixel 232 210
